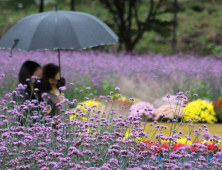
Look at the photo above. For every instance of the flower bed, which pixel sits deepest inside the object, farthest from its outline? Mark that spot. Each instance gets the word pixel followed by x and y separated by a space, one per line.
pixel 185 144
pixel 98 142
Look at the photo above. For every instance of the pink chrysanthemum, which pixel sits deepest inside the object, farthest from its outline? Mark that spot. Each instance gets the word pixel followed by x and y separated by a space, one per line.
pixel 141 108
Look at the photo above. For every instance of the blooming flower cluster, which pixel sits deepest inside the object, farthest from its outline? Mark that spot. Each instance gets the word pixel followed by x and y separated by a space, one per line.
pixel 175 108
pixel 192 147
pixel 99 142
pixel 142 108
pixel 201 110
pixel 89 105
pixel 169 107
pixel 83 110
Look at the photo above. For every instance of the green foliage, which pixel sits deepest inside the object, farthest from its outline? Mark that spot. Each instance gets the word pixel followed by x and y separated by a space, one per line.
pixel 219 114
pixel 130 23
pixel 207 22
pixel 107 87
pixel 162 27
pixel 17 4
pixel 215 49
pixel 205 91
pixel 202 91
pixel 197 8
pixel 78 91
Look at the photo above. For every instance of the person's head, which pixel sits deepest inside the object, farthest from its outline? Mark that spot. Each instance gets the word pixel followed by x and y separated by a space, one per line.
pixel 29 69
pixel 51 75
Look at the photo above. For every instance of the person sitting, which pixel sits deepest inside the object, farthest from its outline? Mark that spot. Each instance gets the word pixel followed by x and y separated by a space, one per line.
pixel 30 75
pixel 50 87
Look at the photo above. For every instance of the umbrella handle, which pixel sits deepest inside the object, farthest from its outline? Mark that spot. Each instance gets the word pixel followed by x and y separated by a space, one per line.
pixel 13 46
pixel 59 66
pixel 56 8
pixel 59 63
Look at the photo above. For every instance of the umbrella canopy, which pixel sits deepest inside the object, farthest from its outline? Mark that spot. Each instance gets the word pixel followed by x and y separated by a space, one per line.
pixel 58 30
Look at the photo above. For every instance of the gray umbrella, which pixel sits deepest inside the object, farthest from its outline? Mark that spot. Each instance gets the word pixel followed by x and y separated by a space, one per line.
pixel 58 30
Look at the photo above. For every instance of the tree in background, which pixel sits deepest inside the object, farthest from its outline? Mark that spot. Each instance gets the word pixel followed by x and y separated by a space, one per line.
pixel 41 6
pixel 174 41
pixel 72 5
pixel 130 25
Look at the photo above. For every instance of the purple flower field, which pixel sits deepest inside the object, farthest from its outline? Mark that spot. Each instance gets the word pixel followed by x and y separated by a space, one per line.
pixel 101 139
pixel 95 67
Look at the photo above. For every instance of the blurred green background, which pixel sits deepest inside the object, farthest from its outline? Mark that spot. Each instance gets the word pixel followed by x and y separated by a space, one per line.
pixel 160 26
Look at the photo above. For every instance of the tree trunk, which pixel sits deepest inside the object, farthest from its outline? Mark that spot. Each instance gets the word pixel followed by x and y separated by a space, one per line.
pixel 41 7
pixel 129 46
pixel 72 5
pixel 174 41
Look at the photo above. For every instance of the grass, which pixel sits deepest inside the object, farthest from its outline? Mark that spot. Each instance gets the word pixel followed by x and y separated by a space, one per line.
pixel 197 31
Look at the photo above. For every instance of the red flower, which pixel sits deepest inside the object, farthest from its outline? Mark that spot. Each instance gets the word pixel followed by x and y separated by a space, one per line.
pixel 193 148
pixel 146 142
pixel 177 146
pixel 217 103
pixel 165 145
pixel 162 145
pixel 212 147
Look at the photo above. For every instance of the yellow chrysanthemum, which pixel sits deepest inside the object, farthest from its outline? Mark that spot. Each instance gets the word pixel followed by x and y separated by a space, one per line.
pixel 71 117
pixel 219 142
pixel 201 110
pixel 116 97
pixel 205 141
pixel 86 106
pixel 91 104
pixel 127 135
pixel 182 141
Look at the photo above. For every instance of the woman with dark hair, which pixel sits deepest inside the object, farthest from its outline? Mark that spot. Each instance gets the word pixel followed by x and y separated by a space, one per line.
pixel 28 75
pixel 50 86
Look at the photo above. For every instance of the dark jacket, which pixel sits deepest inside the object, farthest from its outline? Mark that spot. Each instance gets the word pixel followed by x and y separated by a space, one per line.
pixel 52 102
